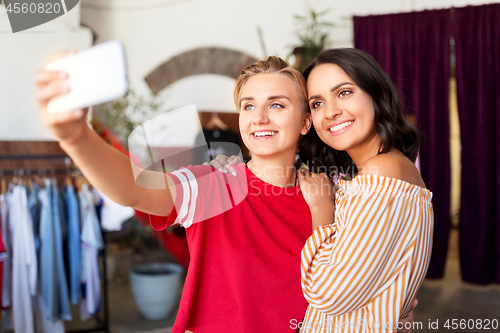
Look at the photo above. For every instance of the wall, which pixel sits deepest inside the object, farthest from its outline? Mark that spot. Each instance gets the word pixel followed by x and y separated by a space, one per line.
pixel 159 29
pixel 21 55
pixel 155 30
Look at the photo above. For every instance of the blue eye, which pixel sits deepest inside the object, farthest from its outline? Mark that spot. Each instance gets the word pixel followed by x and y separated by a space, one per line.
pixel 249 107
pixel 276 106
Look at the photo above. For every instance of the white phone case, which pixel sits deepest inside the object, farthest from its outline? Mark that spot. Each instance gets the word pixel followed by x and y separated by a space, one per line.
pixel 95 75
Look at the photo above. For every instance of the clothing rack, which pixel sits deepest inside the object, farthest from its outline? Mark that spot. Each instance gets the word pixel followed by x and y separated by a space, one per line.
pixel 61 169
pixel 102 324
pixel 30 157
pixel 33 172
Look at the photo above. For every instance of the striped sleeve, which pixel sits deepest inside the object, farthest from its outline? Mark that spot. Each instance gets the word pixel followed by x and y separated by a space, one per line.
pixel 201 193
pixel 187 190
pixel 346 265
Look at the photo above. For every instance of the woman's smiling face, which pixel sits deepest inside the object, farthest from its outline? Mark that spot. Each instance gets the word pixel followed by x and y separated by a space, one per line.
pixel 342 113
pixel 271 119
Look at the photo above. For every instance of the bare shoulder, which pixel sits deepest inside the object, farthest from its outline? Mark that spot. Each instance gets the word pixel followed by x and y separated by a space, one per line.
pixel 394 165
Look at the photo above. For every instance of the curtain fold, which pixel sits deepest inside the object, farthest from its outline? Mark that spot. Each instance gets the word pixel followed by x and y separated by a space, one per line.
pixel 477 46
pixel 413 48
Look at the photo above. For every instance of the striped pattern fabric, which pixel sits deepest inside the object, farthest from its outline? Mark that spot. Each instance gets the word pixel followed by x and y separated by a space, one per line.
pixel 361 273
pixel 189 197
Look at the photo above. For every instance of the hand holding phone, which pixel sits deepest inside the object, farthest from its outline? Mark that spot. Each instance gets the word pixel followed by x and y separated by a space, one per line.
pixel 95 75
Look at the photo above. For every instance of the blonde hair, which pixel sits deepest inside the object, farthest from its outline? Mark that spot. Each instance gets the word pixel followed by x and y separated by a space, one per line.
pixel 272 65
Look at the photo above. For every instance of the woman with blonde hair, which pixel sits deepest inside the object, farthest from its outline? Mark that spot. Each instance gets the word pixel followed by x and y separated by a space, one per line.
pixel 244 240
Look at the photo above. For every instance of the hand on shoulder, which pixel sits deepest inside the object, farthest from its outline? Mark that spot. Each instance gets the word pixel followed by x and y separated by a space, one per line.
pixel 393 165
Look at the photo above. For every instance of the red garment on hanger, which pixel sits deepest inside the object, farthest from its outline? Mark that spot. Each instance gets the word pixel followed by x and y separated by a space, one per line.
pixel 2 257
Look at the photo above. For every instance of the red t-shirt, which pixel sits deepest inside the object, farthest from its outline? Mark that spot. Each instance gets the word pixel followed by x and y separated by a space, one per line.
pixel 245 237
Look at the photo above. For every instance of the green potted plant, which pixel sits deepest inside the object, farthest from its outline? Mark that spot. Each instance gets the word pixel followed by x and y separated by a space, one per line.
pixel 122 116
pixel 313 35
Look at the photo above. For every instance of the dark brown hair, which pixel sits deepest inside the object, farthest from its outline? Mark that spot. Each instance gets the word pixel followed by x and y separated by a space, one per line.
pixel 390 121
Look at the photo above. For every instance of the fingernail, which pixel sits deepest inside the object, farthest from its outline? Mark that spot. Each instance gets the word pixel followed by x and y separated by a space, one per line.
pixel 77 113
pixel 233 173
pixel 64 88
pixel 62 75
pixel 229 160
pixel 222 170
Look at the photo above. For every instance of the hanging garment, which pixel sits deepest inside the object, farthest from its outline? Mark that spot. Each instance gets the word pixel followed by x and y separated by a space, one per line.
pixel 7 262
pixel 92 288
pixel 64 312
pixel 53 285
pixel 45 322
pixel 3 253
pixel 74 245
pixel 91 242
pixel 63 218
pixel 48 284
pixel 112 214
pixel 24 264
pixel 42 322
pixel 35 207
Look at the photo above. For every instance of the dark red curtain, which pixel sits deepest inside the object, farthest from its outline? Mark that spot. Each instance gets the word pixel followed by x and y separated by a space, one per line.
pixel 477 47
pixel 413 48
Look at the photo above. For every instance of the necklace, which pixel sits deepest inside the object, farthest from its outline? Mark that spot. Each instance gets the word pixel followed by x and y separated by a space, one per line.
pixel 295 173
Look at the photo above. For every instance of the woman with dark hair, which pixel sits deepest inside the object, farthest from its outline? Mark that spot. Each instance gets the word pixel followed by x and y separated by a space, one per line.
pixel 362 267
pixel 390 121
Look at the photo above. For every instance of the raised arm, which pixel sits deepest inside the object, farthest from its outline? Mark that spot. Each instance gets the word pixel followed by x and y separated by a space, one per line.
pixel 105 167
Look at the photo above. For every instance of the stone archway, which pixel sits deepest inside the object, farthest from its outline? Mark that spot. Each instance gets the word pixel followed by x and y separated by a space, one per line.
pixel 207 60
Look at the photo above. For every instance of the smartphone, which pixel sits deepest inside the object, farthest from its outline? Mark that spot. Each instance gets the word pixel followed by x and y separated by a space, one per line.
pixel 96 75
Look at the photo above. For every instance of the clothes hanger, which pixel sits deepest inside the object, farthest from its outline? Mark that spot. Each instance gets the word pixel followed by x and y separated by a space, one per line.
pixel 22 178
pixel 30 183
pixel 79 183
pixel 25 178
pixel 67 162
pixel 43 177
pixel 15 179
pixel 53 178
pixel 28 180
pixel 69 182
pixel 214 122
pixel 4 185
pixel 82 181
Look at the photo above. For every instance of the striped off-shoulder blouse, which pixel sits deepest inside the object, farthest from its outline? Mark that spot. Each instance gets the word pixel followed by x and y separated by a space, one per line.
pixel 361 273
